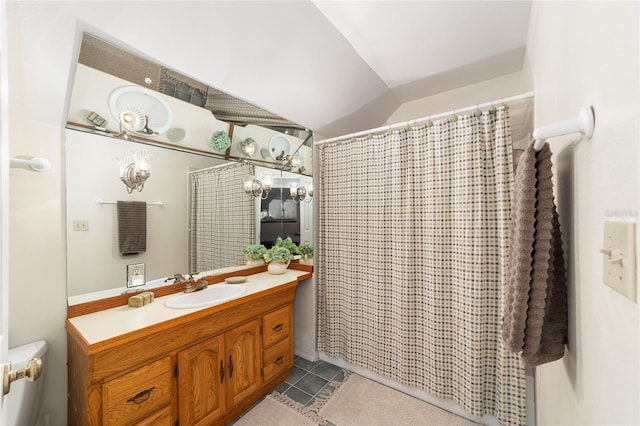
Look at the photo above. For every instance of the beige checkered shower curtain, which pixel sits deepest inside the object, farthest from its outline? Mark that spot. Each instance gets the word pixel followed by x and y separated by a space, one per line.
pixel 412 253
pixel 223 217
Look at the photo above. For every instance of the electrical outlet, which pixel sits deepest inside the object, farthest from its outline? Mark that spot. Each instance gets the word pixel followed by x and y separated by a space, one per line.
pixel 80 225
pixel 135 275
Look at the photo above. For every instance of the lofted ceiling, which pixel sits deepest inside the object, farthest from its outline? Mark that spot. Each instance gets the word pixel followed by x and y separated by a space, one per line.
pixel 422 48
pixel 335 67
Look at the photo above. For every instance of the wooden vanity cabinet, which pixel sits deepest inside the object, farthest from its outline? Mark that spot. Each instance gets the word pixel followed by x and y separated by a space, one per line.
pixel 202 368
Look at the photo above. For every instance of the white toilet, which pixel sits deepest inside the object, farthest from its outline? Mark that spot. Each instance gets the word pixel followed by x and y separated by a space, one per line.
pixel 23 401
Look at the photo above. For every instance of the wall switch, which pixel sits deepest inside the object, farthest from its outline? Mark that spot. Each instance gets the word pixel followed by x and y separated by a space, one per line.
pixel 80 225
pixel 619 253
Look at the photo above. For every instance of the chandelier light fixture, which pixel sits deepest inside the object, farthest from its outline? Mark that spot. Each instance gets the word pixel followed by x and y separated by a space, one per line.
pixel 135 169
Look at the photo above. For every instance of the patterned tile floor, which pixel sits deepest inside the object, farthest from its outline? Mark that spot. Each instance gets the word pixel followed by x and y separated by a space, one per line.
pixel 308 380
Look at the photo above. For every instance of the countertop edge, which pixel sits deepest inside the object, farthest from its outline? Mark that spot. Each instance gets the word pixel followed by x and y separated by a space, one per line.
pixel 175 318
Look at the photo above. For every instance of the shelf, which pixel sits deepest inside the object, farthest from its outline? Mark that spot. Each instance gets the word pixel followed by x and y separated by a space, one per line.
pixel 278 220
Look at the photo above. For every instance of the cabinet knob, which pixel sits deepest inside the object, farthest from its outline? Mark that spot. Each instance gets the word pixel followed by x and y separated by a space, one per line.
pixel 278 327
pixel 230 367
pixel 221 372
pixel 279 360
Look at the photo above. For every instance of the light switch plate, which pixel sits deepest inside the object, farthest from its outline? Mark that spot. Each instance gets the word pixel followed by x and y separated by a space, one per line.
pixel 619 257
pixel 80 225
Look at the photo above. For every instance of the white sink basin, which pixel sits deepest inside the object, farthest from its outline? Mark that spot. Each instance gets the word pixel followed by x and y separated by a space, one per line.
pixel 212 295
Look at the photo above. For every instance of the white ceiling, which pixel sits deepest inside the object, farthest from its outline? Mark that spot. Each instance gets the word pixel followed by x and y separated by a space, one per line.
pixel 408 43
pixel 334 66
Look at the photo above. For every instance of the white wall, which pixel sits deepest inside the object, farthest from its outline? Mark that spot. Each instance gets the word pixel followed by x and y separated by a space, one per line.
pixel 93 260
pixel 489 90
pixel 521 112
pixel 586 53
pixel 37 289
pixel 40 47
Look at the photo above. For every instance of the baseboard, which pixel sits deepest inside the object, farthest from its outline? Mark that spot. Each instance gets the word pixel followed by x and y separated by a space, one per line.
pixel 309 356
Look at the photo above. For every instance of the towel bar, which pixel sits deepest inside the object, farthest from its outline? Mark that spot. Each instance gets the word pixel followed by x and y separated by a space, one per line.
pixel 583 123
pixel 149 203
pixel 39 164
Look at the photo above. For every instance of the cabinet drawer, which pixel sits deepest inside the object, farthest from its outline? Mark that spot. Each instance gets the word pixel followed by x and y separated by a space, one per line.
pixel 134 396
pixel 276 326
pixel 159 418
pixel 277 359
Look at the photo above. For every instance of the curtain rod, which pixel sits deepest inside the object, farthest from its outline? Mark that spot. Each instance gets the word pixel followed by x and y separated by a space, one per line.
pixel 219 166
pixel 430 117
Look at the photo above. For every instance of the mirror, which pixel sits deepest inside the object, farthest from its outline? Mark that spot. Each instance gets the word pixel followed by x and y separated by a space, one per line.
pixel 178 139
pixel 109 79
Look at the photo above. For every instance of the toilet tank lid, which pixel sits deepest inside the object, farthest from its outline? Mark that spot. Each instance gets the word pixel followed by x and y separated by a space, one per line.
pixel 23 354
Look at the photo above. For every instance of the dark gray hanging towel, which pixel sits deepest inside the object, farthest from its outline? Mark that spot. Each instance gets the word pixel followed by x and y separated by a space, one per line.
pixel 132 227
pixel 535 304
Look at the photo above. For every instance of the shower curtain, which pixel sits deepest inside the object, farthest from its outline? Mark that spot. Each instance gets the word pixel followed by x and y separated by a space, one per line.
pixel 223 217
pixel 412 247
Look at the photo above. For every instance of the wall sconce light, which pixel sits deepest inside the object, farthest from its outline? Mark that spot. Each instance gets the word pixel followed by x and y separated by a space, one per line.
pixel 135 169
pixel 131 120
pixel 299 193
pixel 247 147
pixel 291 162
pixel 258 188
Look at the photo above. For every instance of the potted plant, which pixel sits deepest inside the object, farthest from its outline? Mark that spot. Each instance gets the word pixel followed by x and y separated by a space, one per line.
pixel 306 251
pixel 255 254
pixel 220 141
pixel 288 244
pixel 278 259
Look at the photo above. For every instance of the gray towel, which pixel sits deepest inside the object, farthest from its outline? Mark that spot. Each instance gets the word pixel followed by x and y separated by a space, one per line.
pixel 535 300
pixel 132 227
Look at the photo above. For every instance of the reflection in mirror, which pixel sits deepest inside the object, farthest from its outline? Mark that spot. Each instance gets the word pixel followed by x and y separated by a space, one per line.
pixel 109 73
pixel 282 215
pixel 222 216
pixel 96 268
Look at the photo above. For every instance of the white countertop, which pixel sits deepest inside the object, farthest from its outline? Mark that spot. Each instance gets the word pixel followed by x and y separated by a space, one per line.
pixel 149 285
pixel 103 325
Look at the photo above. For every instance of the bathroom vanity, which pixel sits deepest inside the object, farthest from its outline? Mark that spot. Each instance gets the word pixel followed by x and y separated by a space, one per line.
pixel 155 365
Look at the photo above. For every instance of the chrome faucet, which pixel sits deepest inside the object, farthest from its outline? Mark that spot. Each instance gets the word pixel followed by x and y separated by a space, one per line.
pixel 192 285
pixel 176 278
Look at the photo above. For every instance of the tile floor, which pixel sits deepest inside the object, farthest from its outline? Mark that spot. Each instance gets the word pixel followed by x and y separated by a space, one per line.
pixel 306 382
pixel 309 379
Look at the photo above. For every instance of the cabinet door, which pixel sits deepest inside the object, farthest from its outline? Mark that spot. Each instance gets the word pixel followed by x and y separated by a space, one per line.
pixel 244 360
pixel 201 382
